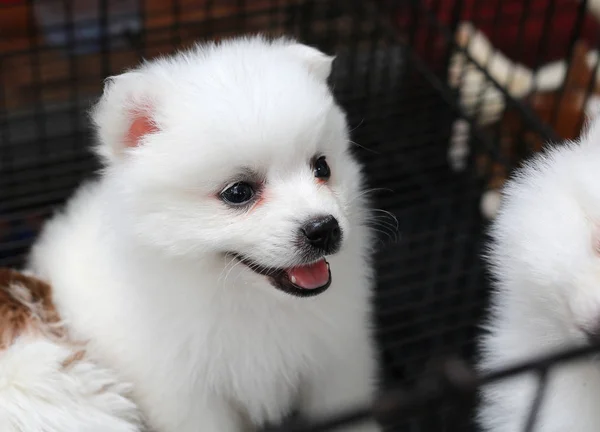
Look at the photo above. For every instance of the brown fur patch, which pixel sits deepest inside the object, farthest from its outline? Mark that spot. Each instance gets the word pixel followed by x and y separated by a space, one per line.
pixel 26 307
pixel 74 358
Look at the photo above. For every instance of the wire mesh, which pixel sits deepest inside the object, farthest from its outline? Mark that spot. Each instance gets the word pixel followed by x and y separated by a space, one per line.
pixel 439 125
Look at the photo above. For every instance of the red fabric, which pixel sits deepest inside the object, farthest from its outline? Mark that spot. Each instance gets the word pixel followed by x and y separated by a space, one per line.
pixel 501 26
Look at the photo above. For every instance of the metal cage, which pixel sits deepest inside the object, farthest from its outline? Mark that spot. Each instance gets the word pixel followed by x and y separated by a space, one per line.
pixel 439 122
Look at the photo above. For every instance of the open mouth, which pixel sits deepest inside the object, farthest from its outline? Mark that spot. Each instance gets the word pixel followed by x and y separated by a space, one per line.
pixel 307 280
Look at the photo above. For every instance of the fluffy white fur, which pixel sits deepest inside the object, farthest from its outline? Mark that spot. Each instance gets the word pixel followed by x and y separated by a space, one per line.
pixel 545 257
pixel 138 258
pixel 38 393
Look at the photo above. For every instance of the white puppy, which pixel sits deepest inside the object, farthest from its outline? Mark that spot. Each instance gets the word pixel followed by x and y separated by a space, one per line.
pixel 221 262
pixel 545 258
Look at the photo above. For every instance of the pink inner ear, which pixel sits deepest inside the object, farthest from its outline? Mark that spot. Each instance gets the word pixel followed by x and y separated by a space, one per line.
pixel 142 125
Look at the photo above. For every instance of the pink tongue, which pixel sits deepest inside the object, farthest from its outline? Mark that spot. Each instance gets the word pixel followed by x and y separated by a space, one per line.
pixel 310 276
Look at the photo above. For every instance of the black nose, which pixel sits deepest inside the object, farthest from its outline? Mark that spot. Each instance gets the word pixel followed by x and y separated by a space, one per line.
pixel 323 233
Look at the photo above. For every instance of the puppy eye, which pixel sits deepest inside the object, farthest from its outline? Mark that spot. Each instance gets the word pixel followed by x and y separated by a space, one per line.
pixel 321 168
pixel 238 193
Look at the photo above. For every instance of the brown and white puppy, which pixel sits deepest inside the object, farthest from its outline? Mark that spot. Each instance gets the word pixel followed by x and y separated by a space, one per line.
pixel 47 380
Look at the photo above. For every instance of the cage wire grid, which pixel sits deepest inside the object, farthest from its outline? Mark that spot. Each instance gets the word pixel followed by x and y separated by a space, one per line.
pixel 391 76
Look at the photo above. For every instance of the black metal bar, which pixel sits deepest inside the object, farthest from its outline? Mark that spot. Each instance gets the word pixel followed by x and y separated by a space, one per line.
pixel 540 362
pixel 241 15
pixel 71 49
pixel 354 48
pixel 457 10
pixel 103 26
pixel 537 401
pixel 480 96
pixel 520 143
pixel 6 157
pixel 526 4
pixel 274 16
pixel 545 38
pixel 210 20
pixel 373 35
pixel 176 24
pixel 591 86
pixel 37 80
pixel 540 52
pixel 575 33
pixel 415 20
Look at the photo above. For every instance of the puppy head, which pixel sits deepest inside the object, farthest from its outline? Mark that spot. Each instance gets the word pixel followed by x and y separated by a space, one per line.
pixel 235 150
pixel 545 252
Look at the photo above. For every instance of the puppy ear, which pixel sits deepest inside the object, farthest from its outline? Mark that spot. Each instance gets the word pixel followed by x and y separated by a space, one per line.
pixel 317 62
pixel 124 116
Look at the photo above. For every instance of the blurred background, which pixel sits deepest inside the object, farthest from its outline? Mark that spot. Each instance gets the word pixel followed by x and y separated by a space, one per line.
pixel 445 98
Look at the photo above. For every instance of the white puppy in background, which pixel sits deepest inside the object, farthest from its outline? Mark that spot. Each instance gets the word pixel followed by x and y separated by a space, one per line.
pixel 545 258
pixel 221 261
